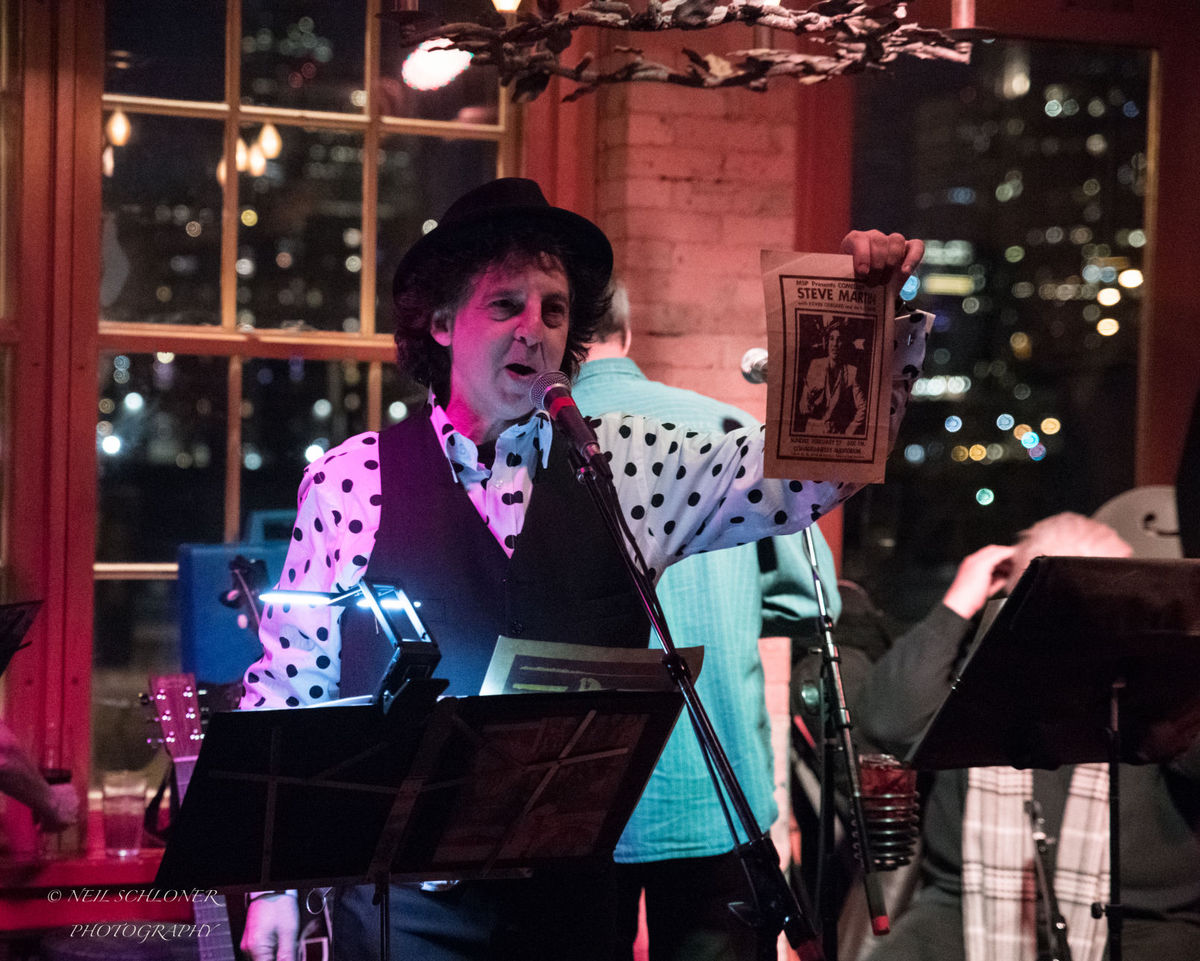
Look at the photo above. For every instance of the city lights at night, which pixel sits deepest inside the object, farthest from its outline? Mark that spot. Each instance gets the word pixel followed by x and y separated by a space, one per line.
pixel 1026 175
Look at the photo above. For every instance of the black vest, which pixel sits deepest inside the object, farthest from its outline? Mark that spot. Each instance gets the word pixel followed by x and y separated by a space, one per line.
pixel 565 581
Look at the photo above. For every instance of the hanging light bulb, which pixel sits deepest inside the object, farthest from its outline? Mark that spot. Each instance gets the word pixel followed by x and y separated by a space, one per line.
pixel 221 171
pixel 270 141
pixel 107 163
pixel 506 6
pixel 242 157
pixel 118 128
pixel 431 66
pixel 256 161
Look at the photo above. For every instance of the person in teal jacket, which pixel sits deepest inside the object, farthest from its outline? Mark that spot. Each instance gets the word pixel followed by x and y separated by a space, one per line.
pixel 677 846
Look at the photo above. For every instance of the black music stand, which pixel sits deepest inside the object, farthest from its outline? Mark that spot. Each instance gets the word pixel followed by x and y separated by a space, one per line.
pixel 464 788
pixel 1091 659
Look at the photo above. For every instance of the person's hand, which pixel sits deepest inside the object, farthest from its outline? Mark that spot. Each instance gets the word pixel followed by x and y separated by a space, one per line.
pixel 272 928
pixel 880 257
pixel 63 810
pixel 979 576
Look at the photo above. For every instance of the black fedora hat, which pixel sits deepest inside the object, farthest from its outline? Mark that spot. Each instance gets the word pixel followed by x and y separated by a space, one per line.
pixel 514 200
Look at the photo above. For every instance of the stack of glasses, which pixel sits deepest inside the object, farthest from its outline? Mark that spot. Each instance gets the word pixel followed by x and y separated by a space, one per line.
pixel 890 806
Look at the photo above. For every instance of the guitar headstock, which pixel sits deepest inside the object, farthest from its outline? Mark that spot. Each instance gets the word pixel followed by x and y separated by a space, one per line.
pixel 177 711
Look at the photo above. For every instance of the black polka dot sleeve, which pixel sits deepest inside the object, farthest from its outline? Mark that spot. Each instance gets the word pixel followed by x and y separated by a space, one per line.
pixel 685 492
pixel 332 537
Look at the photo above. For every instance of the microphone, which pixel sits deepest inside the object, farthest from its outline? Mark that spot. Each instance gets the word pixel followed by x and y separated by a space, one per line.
pixel 551 392
pixel 754 365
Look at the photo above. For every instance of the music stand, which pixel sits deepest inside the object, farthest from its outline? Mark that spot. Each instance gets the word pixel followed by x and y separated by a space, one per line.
pixel 1091 659
pixel 464 788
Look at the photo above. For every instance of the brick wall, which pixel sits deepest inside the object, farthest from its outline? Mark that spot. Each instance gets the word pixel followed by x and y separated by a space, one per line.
pixel 690 185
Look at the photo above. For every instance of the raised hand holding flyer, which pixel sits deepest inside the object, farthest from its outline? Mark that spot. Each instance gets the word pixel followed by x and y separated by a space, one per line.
pixel 830 341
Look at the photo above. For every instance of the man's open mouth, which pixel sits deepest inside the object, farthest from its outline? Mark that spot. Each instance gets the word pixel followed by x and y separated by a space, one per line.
pixel 521 370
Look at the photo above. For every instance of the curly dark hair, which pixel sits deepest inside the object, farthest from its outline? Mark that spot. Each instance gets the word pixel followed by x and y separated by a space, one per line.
pixel 444 282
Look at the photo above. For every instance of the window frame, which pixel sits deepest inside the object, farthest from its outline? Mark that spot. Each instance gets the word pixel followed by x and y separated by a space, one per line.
pixel 54 339
pixel 238 345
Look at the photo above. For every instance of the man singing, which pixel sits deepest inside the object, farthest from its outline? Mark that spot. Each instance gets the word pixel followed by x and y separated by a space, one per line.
pixel 472 505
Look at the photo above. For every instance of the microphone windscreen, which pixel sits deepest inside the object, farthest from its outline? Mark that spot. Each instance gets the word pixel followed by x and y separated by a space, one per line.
pixel 754 365
pixel 542 385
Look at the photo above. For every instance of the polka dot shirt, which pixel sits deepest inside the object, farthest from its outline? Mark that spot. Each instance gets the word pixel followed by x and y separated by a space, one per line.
pixel 682 492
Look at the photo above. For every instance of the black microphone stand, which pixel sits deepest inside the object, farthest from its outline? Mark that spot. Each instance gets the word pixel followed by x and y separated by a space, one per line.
pixel 838 745
pixel 775 906
pixel 1114 911
pixel 1052 924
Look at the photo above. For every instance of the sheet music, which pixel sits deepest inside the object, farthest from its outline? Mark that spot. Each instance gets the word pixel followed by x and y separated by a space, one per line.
pixel 520 666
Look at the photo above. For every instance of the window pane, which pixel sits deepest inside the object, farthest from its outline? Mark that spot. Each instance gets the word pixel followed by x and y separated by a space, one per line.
pixel 161 239
pixel 317 405
pixel 294 410
pixel 161 454
pixel 431 85
pixel 136 634
pixel 419 177
pixel 300 236
pixel 401 394
pixel 304 54
pixel 1025 172
pixel 169 48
